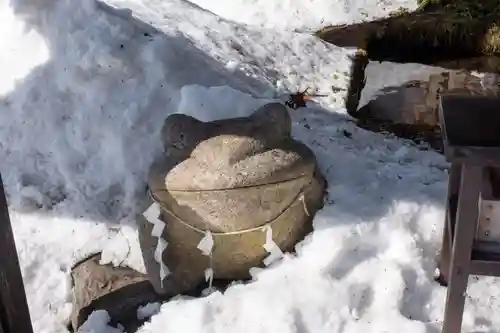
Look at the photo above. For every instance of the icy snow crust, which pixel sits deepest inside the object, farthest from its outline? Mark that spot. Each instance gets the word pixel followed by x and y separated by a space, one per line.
pixel 83 94
pixel 306 15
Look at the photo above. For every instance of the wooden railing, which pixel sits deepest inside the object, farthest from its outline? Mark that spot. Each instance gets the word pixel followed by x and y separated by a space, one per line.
pixel 14 312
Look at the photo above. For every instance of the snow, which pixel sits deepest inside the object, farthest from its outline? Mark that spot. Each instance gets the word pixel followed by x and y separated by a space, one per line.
pixel 148 310
pixel 98 323
pixel 307 15
pixel 31 52
pixel 84 90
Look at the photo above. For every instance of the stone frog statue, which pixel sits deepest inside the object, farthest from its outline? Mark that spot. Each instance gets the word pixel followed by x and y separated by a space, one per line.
pixel 226 196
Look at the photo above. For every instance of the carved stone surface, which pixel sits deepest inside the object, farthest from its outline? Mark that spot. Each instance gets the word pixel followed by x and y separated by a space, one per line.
pixel 483 64
pixel 119 291
pixel 228 176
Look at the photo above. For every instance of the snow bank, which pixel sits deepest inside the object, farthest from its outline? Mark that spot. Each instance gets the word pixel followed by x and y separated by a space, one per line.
pixel 80 114
pixel 307 15
pixel 18 59
pixel 84 94
pixel 108 82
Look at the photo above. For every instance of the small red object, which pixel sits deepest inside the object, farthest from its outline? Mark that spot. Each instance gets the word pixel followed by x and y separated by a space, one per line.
pixel 298 100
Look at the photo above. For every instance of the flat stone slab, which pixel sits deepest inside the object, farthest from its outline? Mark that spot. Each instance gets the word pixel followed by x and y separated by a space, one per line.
pixel 118 290
pixel 415 101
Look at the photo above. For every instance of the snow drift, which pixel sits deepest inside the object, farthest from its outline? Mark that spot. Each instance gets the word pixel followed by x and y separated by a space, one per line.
pixel 85 88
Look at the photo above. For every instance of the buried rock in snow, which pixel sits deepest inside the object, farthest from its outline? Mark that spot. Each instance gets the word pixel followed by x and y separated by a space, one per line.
pixel 117 290
pixel 416 102
pixel 407 104
pixel 224 187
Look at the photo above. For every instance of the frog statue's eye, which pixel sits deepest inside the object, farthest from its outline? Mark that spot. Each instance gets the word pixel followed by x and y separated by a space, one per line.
pixel 181 133
pixel 274 115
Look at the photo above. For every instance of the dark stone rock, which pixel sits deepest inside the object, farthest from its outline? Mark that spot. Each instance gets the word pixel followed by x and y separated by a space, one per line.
pixel 357 81
pixel 119 291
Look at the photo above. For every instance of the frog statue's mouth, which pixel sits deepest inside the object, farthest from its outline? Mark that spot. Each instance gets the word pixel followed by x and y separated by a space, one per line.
pixel 217 192
pixel 226 210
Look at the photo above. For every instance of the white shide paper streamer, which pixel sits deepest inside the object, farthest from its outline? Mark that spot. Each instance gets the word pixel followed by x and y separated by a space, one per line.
pixel 152 214
pixel 270 246
pixel 206 246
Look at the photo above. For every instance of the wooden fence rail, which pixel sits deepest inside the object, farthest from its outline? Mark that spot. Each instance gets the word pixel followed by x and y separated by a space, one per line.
pixel 14 312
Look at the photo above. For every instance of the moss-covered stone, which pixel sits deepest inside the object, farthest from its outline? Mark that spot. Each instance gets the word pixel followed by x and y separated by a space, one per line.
pixel 435 32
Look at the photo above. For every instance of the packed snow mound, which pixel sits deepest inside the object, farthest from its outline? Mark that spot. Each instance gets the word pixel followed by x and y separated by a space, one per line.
pixel 285 61
pixel 83 117
pixel 18 59
pixel 307 15
pixel 84 92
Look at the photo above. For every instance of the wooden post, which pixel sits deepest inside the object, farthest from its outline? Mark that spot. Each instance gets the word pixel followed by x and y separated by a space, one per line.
pixel 471 143
pixel 449 224
pixel 14 312
pixel 467 215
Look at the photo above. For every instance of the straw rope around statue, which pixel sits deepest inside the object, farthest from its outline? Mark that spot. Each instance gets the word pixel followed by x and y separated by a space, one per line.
pixel 273 251
pixel 300 196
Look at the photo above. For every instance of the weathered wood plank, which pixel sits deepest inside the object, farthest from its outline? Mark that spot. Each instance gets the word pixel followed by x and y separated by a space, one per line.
pixel 471 138
pixel 465 228
pixel 14 312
